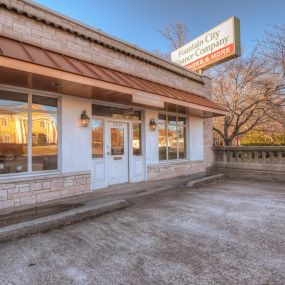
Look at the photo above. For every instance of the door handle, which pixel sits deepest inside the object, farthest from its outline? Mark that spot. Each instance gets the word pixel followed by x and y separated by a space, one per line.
pixel 108 153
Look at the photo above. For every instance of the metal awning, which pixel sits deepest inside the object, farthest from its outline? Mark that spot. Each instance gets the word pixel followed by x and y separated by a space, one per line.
pixel 140 87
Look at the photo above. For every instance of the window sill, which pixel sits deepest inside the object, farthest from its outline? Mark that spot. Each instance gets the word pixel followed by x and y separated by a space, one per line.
pixel 169 162
pixel 197 161
pixel 175 161
pixel 18 177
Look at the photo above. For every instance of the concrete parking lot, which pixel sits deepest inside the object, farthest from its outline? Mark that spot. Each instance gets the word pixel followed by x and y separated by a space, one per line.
pixel 226 233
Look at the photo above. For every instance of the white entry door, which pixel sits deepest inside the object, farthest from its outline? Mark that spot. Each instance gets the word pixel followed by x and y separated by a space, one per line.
pixel 117 153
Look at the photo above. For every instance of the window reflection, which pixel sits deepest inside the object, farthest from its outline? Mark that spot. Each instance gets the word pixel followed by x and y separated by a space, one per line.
pixel 162 142
pixel 117 141
pixel 13 141
pixel 44 103
pixel 181 141
pixel 171 120
pixel 13 100
pixel 44 141
pixel 97 138
pixel 15 133
pixel 171 137
pixel 172 142
pixel 161 119
pixel 137 139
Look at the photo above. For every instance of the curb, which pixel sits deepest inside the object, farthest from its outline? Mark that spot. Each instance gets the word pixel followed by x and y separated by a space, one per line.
pixel 205 180
pixel 58 220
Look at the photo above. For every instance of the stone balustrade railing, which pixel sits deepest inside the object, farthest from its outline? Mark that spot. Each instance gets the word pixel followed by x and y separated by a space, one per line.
pixel 269 158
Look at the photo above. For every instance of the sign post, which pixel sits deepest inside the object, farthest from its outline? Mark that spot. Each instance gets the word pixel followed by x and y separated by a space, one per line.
pixel 218 45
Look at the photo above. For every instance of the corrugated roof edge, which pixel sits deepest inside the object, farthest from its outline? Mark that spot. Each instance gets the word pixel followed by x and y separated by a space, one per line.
pixel 149 57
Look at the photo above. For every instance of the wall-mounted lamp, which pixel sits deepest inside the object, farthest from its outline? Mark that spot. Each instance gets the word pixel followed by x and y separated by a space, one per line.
pixel 84 119
pixel 152 124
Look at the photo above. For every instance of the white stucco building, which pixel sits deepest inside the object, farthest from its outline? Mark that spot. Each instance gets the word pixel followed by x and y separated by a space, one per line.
pixel 149 118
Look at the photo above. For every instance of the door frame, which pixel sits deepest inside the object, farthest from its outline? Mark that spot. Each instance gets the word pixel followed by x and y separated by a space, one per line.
pixel 105 121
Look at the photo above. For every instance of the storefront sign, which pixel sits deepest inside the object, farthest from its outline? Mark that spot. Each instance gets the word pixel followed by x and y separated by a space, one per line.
pixel 215 46
pixel 148 99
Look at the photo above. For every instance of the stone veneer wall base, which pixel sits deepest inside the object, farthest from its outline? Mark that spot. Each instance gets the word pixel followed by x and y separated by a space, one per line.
pixel 249 174
pixel 31 190
pixel 175 169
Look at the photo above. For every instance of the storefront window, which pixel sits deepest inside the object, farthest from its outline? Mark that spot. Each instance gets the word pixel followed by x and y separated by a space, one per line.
pixel 15 154
pixel 137 139
pixel 162 142
pixel 13 141
pixel 171 137
pixel 172 141
pixel 97 138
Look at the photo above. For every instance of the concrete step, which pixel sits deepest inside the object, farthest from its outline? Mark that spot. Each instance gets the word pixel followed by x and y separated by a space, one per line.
pixel 205 180
pixel 58 220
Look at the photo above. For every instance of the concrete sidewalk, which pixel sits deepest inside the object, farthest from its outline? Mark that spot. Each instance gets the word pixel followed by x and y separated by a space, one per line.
pixel 224 233
pixel 57 213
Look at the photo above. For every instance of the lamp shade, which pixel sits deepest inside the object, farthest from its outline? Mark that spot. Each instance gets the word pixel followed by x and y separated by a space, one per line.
pixel 152 124
pixel 84 119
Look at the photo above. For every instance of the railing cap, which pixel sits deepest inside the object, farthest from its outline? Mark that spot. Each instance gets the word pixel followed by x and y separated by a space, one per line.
pixel 249 148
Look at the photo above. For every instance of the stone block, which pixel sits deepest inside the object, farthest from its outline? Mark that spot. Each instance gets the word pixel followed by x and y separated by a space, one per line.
pixel 41 34
pixel 3 194
pixel 80 181
pixel 19 195
pixel 42 197
pixel 74 46
pixel 47 184
pixel 7 185
pixel 68 183
pixel 6 19
pixel 13 190
pixel 56 185
pixel 21 28
pixel 6 204
pixel 36 186
pixel 23 187
pixel 28 200
pixel 46 43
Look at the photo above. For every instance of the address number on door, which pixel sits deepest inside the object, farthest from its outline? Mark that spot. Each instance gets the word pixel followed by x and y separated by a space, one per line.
pixel 117 125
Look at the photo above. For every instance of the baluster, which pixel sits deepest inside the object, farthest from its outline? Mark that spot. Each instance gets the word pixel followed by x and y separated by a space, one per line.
pixel 271 157
pixel 225 157
pixel 249 156
pixel 263 157
pixel 279 155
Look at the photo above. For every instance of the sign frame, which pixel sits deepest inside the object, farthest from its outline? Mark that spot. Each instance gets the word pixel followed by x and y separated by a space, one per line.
pixel 214 57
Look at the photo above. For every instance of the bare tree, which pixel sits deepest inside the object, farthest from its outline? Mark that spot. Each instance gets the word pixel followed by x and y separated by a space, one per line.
pixel 161 54
pixel 176 34
pixel 274 47
pixel 251 89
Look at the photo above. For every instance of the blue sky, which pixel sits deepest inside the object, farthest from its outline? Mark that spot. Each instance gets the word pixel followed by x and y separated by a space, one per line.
pixel 139 21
